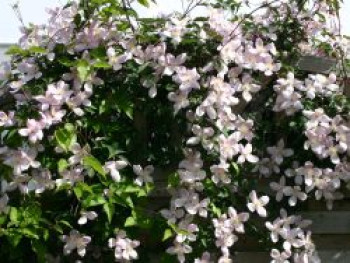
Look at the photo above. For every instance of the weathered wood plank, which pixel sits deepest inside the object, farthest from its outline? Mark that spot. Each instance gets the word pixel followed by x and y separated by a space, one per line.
pixel 332 242
pixel 326 256
pixel 329 222
pixel 316 64
pixel 322 241
pixel 339 205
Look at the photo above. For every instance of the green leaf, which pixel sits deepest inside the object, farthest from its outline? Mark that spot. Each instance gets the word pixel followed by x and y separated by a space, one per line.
pixel 31 214
pixel 2 219
pixel 216 210
pixel 46 234
pixel 39 50
pixel 143 2
pixel 14 238
pixel 30 233
pixel 65 61
pixel 173 180
pixel 40 251
pixel 15 50
pixel 64 223
pixel 109 210
pixel 102 64
pixel 66 137
pixel 78 192
pixel 124 104
pixel 14 214
pixel 168 233
pixel 83 68
pixel 131 189
pixel 142 193
pixel 94 200
pixel 236 168
pixel 130 221
pixel 62 165
pixel 128 201
pixel 94 164
pixel 69 127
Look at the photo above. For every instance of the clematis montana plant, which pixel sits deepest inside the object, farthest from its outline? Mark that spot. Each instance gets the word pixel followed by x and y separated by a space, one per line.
pixel 101 110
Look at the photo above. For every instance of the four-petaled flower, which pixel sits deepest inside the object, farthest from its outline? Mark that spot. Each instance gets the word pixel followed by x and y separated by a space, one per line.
pixel 124 248
pixel 77 241
pixel 258 204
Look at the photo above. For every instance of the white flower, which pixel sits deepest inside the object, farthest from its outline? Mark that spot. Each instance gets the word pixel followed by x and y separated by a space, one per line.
pixel 204 259
pixel 113 167
pixel 225 259
pixel 187 230
pixel 229 146
pixel 275 228
pixel 279 257
pixel 78 153
pixel 21 160
pixel 143 174
pixel 189 200
pixel 278 152
pixel 172 215
pixel 244 128
pixel 224 233
pixel 291 237
pixel 124 247
pixel 246 154
pixel 258 204
pixel 7 120
pixel 237 220
pixel 294 194
pixel 117 61
pixel 29 70
pixel 179 249
pixel 169 63
pixel 85 216
pixel 187 78
pixel 180 99
pixel 316 118
pixel 71 176
pixel 175 29
pixel 17 181
pixel 34 130
pixel 247 87
pixel 202 134
pixel 77 241
pixel 279 188
pixel 194 206
pixel 56 95
pixel 221 173
pixel 41 181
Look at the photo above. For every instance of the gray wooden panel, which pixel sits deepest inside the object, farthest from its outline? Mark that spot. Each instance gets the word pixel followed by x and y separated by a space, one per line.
pixel 316 64
pixel 316 205
pixel 326 256
pixel 329 222
pixel 332 241
pixel 322 241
